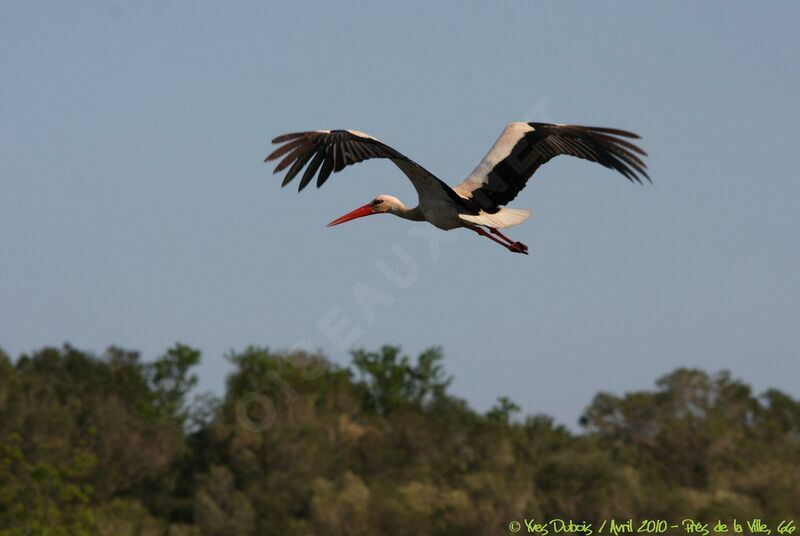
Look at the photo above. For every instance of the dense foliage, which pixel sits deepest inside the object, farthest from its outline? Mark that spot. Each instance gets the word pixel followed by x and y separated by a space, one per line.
pixel 111 445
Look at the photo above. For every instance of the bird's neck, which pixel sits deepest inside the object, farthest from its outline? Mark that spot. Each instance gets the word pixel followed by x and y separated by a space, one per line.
pixel 413 214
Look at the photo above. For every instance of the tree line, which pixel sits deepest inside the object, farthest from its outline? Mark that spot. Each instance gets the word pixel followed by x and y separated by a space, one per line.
pixel 109 444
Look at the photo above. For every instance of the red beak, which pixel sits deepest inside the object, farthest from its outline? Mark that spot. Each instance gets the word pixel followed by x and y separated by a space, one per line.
pixel 360 212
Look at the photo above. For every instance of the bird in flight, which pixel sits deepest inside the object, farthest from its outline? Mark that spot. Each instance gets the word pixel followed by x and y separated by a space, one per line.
pixel 477 203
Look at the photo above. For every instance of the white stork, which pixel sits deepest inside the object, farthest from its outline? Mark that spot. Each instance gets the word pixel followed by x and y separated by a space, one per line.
pixel 477 202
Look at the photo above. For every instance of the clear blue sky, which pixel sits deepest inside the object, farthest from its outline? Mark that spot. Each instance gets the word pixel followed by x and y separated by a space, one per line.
pixel 135 210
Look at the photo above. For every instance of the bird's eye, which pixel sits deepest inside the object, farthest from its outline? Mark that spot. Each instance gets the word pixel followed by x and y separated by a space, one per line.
pixel 377 202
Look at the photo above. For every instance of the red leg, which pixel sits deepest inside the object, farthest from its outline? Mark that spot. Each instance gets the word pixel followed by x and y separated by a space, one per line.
pixel 511 247
pixel 507 239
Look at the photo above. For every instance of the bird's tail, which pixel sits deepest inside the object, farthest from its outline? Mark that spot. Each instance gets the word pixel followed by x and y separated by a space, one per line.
pixel 502 219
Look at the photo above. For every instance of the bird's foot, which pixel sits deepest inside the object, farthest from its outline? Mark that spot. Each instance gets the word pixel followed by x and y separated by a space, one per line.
pixel 518 247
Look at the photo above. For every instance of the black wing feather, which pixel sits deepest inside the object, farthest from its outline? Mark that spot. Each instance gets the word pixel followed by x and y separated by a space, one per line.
pixel 311 170
pixel 334 150
pixel 509 176
pixel 327 168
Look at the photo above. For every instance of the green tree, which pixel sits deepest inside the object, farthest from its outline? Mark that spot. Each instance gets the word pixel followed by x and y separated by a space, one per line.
pixel 171 379
pixel 110 445
pixel 42 498
pixel 392 381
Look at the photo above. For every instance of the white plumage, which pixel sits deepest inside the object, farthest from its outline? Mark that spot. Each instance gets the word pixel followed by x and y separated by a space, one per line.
pixel 503 219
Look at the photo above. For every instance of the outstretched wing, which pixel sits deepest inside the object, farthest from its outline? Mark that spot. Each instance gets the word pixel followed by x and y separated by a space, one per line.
pixel 330 151
pixel 523 147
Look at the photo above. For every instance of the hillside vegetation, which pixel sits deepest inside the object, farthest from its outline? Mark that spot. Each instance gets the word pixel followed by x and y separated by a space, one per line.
pixel 111 445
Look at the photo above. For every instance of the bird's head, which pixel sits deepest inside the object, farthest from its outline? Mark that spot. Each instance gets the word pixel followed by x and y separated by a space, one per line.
pixel 379 205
